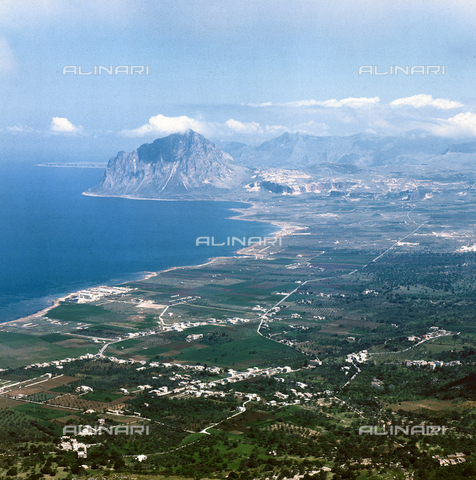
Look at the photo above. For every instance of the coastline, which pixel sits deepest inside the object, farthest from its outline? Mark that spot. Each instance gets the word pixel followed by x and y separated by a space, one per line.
pixel 285 229
pixel 40 313
pixel 87 193
pixel 242 213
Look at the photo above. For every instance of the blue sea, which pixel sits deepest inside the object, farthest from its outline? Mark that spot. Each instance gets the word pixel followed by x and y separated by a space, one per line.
pixel 54 241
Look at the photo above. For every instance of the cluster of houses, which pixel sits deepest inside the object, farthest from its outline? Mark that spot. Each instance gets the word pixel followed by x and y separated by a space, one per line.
pixel 138 334
pixel 432 364
pixel 71 444
pixel 434 332
pixel 282 396
pixel 94 294
pixel 202 389
pixel 187 386
pixel 179 299
pixel 181 326
pixel 359 357
pixel 259 308
pixel 59 363
pixel 90 356
pixel 197 368
pixel 450 459
pixel 302 395
pixel 298 327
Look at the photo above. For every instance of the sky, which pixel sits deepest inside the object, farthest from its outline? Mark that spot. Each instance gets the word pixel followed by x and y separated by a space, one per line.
pixel 248 70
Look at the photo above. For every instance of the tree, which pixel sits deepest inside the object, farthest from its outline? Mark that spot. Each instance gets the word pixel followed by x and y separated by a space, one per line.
pixel 46 470
pixel 119 463
pixel 12 472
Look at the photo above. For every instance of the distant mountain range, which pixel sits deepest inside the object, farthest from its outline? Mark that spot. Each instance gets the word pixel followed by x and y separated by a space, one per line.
pixel 363 150
pixel 190 166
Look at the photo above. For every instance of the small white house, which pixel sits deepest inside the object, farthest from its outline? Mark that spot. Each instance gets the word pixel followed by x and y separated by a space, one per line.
pixel 84 389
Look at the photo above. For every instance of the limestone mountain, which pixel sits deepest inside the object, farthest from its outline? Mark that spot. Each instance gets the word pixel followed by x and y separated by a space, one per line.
pixel 179 165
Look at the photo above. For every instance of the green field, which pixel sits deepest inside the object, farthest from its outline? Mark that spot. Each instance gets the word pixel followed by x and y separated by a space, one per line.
pixel 242 354
pixel 75 312
pixel 21 349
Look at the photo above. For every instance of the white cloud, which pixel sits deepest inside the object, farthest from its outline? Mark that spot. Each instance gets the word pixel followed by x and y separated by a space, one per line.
pixel 304 103
pixel 461 125
pixel 382 119
pixel 275 129
pixel 63 125
pixel 239 127
pixel 162 125
pixel 250 128
pixel 19 129
pixel 332 103
pixel 264 104
pixel 419 101
pixel 345 102
pixel 311 128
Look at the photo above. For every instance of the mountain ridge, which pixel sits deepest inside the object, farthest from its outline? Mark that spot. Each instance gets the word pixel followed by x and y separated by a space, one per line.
pixel 364 150
pixel 189 166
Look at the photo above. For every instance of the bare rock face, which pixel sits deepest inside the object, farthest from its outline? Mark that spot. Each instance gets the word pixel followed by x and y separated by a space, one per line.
pixel 173 166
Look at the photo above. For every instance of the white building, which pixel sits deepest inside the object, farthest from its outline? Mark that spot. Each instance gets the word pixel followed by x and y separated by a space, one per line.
pixel 84 389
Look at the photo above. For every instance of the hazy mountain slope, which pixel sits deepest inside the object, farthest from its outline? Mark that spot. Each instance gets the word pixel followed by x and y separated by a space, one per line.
pixel 362 150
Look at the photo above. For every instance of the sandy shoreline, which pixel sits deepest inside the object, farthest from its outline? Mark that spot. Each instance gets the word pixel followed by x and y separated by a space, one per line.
pixel 285 229
pixel 38 314
pixel 132 197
